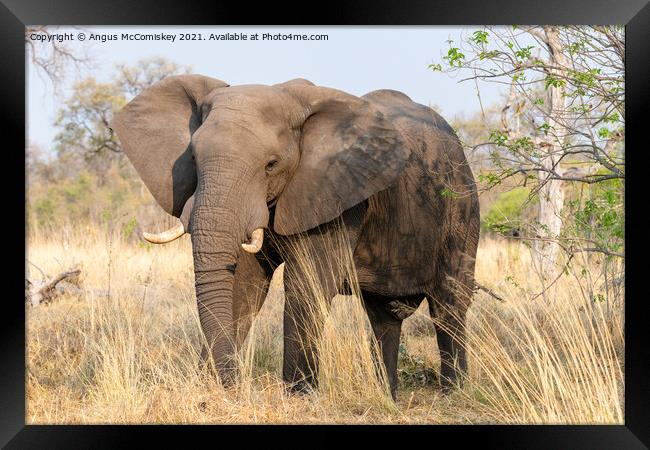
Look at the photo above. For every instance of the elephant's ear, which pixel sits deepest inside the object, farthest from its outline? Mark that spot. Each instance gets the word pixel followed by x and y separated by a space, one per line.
pixel 155 131
pixel 349 151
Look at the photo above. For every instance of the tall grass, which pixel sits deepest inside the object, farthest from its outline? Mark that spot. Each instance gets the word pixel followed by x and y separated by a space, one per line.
pixel 127 351
pixel 348 376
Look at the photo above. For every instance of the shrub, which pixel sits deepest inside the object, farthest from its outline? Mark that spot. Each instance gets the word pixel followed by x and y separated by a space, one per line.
pixel 509 211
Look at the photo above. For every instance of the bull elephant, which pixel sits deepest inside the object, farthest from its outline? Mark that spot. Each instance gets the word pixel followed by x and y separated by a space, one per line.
pixel 236 162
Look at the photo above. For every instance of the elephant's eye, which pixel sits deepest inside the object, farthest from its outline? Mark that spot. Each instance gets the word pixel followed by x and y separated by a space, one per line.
pixel 271 164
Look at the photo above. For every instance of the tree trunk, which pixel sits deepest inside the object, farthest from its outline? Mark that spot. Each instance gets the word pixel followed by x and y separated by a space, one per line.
pixel 551 195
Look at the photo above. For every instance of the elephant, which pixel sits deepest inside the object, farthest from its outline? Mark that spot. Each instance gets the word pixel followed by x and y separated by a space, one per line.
pixel 291 159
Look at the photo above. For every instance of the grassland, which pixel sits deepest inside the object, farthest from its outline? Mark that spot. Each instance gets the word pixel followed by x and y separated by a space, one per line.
pixel 125 349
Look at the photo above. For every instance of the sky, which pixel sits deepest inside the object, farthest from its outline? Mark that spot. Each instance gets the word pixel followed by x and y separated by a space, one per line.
pixel 353 59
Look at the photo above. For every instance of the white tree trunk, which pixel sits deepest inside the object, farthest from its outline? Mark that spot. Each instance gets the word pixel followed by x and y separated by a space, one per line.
pixel 551 195
pixel 551 201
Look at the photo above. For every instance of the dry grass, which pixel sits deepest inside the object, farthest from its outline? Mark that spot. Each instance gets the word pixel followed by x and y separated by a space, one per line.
pixel 127 349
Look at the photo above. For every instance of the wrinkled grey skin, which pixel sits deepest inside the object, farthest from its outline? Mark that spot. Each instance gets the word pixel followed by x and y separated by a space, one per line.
pixel 291 158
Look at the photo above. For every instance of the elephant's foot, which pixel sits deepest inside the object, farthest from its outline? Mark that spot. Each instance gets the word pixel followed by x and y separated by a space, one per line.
pixel 227 373
pixel 228 380
pixel 302 387
pixel 451 377
pixel 227 377
pixel 446 388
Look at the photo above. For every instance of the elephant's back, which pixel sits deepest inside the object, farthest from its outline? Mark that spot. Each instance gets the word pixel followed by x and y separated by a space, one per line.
pixel 437 159
pixel 418 227
pixel 397 106
pixel 430 138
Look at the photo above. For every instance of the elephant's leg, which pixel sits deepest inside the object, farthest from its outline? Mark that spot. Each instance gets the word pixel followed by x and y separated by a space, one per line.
pixel 301 331
pixel 310 278
pixel 252 281
pixel 448 308
pixel 308 288
pixel 387 329
pixel 251 284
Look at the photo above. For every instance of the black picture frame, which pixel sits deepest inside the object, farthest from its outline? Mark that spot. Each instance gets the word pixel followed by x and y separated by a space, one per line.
pixel 16 14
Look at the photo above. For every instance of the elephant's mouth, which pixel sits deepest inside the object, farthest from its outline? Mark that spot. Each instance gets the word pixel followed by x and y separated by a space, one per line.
pixel 271 203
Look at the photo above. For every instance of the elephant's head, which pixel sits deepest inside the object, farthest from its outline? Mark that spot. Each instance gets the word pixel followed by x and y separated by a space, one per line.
pixel 221 157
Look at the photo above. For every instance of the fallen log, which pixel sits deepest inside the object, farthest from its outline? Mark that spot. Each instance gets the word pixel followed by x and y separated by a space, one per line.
pixel 45 291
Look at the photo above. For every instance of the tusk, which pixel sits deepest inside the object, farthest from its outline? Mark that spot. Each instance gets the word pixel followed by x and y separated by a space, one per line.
pixel 165 236
pixel 257 239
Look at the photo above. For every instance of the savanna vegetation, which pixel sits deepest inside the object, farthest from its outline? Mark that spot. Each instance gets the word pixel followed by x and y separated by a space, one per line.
pixel 545 330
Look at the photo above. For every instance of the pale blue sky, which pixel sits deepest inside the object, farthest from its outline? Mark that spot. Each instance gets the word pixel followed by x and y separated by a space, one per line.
pixel 354 59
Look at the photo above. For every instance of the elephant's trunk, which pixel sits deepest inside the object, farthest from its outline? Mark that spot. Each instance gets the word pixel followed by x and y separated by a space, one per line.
pixel 219 228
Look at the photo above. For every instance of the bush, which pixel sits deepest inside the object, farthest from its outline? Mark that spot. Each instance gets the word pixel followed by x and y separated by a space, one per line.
pixel 115 199
pixel 509 211
pixel 597 214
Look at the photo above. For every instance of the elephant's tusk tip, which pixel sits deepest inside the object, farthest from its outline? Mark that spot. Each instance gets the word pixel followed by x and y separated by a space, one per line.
pixel 166 236
pixel 257 239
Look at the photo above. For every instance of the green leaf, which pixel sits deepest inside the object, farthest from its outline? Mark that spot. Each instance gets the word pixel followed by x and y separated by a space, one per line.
pixel 519 76
pixel 498 137
pixel 550 80
pixel 480 37
pixel 523 143
pixel 491 179
pixel 454 57
pixel 448 193
pixel 524 53
pixel 604 132
pixel 488 55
